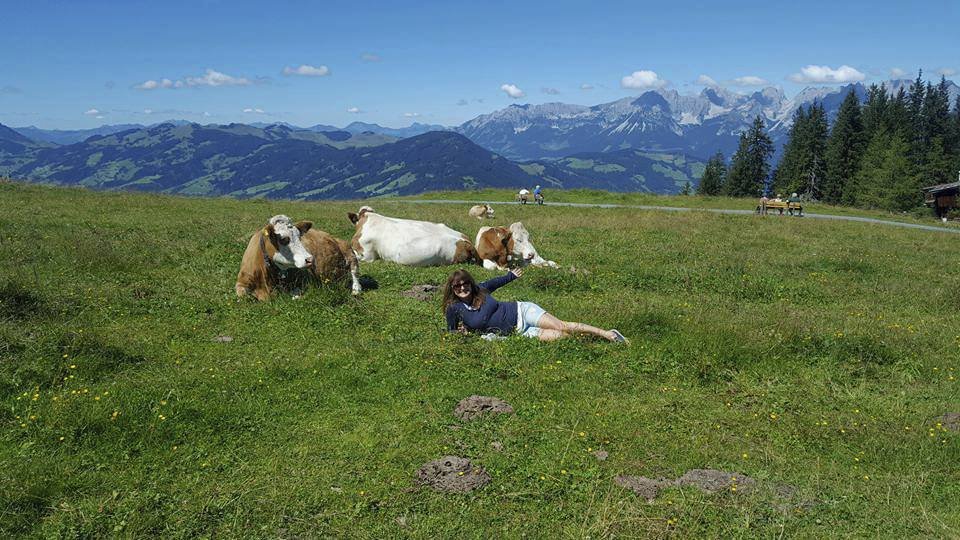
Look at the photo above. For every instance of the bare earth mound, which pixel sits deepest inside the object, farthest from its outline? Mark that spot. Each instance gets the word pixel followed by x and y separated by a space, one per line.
pixel 474 407
pixel 452 474
pixel 709 480
pixel 422 292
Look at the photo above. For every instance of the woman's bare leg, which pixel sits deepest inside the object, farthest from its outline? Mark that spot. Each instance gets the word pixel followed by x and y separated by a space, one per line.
pixel 549 322
pixel 551 335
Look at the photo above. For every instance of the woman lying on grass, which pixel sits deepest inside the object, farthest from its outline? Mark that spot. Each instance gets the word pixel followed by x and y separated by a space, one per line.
pixel 470 307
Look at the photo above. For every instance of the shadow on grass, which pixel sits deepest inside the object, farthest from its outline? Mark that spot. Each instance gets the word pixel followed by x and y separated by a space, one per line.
pixel 19 303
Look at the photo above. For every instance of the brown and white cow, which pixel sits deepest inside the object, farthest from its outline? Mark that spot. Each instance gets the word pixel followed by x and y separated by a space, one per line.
pixel 288 255
pixel 408 242
pixel 498 247
pixel 481 211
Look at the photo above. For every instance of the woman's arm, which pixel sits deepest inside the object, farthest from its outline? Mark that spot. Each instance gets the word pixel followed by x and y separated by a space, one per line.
pixel 493 284
pixel 452 318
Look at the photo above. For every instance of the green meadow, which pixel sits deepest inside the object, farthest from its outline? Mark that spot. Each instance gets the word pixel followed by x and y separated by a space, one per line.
pixel 816 357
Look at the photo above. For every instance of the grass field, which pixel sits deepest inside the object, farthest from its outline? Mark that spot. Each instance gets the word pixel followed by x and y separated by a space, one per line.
pixel 818 355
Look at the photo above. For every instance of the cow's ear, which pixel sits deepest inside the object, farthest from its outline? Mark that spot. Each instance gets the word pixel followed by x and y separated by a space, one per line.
pixel 353 217
pixel 304 226
pixel 269 232
pixel 505 237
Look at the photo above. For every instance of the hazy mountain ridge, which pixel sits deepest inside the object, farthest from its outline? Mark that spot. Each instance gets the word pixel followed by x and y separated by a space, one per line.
pixel 277 161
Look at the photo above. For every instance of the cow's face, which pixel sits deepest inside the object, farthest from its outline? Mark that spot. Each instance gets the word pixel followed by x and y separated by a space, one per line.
pixel 355 218
pixel 489 211
pixel 522 248
pixel 285 238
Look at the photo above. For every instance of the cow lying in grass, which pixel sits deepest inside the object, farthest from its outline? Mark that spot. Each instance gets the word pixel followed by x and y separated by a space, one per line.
pixel 497 247
pixel 408 242
pixel 481 211
pixel 286 255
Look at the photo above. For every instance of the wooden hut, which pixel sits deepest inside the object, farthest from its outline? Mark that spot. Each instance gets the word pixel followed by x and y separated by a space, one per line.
pixel 941 197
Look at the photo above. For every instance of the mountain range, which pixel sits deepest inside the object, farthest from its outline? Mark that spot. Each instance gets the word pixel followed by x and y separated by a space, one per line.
pixel 656 141
pixel 278 161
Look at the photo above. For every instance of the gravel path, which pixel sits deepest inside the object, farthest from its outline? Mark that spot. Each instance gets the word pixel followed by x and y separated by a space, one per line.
pixel 714 210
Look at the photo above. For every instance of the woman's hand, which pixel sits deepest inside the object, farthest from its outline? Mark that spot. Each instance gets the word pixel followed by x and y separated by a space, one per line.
pixel 517 272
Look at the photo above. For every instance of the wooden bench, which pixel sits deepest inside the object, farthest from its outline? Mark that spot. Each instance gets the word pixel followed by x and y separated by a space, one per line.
pixel 790 207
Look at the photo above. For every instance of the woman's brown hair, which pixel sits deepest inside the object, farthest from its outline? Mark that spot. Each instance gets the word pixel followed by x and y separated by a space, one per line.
pixel 461 275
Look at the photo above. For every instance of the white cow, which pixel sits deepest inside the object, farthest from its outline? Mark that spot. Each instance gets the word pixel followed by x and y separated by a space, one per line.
pixel 497 247
pixel 408 242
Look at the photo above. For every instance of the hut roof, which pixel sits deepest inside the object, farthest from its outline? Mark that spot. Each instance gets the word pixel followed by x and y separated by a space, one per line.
pixel 939 188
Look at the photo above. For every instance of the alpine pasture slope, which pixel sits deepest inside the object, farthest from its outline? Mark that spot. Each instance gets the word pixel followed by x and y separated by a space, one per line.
pixel 812 354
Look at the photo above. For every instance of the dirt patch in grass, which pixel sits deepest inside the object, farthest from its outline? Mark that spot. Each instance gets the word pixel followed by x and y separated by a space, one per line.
pixel 708 480
pixel 423 292
pixel 601 455
pixel 648 488
pixel 452 474
pixel 712 480
pixel 950 421
pixel 473 407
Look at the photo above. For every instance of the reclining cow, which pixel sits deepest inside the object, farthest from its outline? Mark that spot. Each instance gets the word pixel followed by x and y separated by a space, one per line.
pixel 408 242
pixel 498 247
pixel 287 256
pixel 481 211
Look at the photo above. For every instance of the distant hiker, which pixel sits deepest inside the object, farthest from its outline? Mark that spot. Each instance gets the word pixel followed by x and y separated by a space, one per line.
pixel 523 196
pixel 762 209
pixel 469 307
pixel 538 194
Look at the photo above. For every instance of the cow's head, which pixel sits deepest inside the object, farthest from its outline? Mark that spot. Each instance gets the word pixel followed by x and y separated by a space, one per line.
pixel 284 239
pixel 520 238
pixel 489 211
pixel 355 218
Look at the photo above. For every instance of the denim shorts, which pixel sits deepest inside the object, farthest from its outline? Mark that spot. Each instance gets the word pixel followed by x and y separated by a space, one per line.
pixel 528 315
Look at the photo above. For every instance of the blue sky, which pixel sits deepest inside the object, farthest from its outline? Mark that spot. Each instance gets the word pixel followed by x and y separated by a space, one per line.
pixel 73 64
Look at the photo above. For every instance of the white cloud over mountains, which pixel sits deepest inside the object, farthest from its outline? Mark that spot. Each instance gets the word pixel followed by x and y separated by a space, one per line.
pixel 513 91
pixel 550 91
pixel 586 86
pixel 749 80
pixel 411 114
pixel 254 110
pixel 826 75
pixel 947 71
pixel 643 79
pixel 896 73
pixel 706 80
pixel 91 112
pixel 354 110
pixel 307 71
pixel 211 77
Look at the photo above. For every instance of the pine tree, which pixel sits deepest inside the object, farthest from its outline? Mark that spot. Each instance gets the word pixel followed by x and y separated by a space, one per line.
pixel 874 110
pixel 917 126
pixel 713 176
pixel 750 167
pixel 687 189
pixel 801 168
pixel 844 150
pixel 886 177
pixel 897 117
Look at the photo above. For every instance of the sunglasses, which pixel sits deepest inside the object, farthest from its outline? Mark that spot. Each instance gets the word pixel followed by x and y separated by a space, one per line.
pixel 461 285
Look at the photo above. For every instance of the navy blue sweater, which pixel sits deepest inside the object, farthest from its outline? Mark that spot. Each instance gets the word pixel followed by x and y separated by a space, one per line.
pixel 492 316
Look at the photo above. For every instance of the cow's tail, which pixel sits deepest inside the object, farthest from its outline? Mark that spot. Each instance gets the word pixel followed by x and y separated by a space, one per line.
pixel 354 265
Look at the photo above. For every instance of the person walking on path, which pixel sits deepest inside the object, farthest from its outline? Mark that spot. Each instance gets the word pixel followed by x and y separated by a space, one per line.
pixel 469 307
pixel 538 194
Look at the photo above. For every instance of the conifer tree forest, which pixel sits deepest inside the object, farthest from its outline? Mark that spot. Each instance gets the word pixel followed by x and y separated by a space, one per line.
pixel 875 154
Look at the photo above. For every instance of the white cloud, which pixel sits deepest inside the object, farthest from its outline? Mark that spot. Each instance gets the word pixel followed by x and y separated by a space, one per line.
pixel 947 72
pixel 99 117
pixel 411 114
pixel 826 74
pixel 257 110
pixel 211 77
pixel 586 86
pixel 749 80
pixel 706 80
pixel 307 70
pixel 205 113
pixel 215 78
pixel 896 73
pixel 370 57
pixel 548 90
pixel 642 79
pixel 353 110
pixel 91 112
pixel 148 111
pixel 512 90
